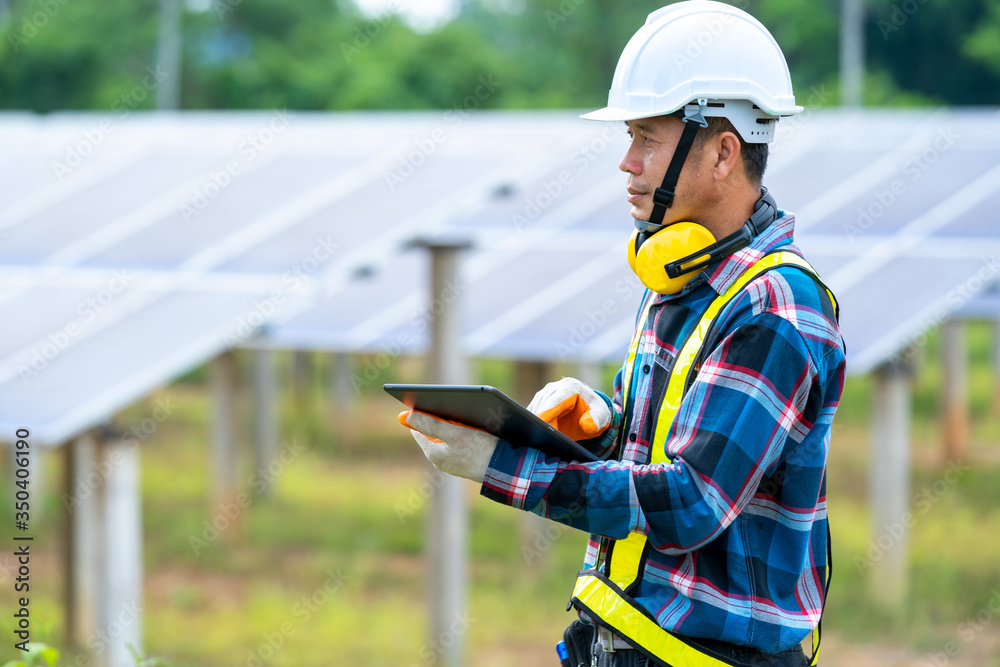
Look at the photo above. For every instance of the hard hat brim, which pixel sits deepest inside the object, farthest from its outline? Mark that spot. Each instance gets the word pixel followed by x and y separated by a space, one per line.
pixel 618 114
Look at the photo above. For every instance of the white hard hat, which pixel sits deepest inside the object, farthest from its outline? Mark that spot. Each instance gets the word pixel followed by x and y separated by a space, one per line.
pixel 707 51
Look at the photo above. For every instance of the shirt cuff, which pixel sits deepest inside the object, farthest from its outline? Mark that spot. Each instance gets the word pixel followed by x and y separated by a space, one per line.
pixel 518 477
pixel 603 445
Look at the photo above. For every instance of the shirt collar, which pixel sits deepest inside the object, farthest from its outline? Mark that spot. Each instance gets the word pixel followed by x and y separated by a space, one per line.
pixel 726 271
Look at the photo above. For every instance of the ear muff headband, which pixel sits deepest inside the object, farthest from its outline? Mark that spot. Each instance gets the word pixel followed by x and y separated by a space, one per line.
pixel 765 212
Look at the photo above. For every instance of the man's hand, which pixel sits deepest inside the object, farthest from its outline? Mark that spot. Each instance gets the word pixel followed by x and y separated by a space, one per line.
pixel 453 448
pixel 572 408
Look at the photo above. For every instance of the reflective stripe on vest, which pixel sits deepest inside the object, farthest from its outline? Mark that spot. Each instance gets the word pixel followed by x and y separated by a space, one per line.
pixel 604 596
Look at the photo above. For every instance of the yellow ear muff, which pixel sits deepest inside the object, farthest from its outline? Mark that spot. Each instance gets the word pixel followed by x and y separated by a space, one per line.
pixel 631 250
pixel 667 245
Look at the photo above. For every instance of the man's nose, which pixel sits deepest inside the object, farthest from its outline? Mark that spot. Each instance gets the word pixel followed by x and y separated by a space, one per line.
pixel 630 163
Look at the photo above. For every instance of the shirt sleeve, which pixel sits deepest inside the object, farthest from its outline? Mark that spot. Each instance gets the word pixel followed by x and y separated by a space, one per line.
pixel 749 400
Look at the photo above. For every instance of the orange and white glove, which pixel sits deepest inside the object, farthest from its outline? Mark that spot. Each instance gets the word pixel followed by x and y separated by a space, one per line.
pixel 572 408
pixel 453 448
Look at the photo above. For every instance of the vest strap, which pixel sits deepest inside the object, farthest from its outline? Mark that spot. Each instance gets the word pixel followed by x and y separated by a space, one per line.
pixel 629 621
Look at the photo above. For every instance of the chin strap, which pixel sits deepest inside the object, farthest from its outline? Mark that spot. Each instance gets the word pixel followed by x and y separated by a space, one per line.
pixel 663 196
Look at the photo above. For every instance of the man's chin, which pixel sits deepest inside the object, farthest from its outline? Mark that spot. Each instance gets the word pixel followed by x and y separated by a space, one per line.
pixel 639 213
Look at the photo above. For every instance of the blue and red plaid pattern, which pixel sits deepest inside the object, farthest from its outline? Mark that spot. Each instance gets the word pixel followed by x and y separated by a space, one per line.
pixel 737 520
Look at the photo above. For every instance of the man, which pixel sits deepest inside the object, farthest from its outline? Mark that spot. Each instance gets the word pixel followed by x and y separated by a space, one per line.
pixel 709 541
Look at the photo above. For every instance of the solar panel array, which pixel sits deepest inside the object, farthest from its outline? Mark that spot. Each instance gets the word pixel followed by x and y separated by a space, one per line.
pixel 135 248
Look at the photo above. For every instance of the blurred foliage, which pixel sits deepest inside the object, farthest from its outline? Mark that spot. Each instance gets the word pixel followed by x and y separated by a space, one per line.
pixel 327 55
pixel 36 655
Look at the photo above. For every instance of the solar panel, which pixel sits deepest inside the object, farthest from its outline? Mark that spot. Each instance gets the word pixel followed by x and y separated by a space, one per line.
pixel 176 236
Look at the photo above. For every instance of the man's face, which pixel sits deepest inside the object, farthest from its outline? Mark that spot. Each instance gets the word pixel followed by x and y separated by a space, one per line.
pixel 649 153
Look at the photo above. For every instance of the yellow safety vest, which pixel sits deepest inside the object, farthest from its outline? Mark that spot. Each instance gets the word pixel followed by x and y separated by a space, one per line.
pixel 602 595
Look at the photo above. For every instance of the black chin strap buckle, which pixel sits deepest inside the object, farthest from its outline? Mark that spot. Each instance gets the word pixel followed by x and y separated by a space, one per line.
pixel 664 198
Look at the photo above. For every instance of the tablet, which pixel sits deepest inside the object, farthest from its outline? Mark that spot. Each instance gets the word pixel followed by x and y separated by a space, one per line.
pixel 489 409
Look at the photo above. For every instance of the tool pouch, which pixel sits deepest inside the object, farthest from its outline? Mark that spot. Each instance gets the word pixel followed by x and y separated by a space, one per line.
pixel 579 638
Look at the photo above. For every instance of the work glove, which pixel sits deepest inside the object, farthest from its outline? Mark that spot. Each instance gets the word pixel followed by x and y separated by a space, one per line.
pixel 453 448
pixel 572 408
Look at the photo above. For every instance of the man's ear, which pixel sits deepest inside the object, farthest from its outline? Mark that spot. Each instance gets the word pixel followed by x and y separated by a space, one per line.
pixel 726 147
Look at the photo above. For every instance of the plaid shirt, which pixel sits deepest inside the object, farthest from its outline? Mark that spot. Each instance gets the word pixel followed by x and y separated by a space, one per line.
pixel 737 520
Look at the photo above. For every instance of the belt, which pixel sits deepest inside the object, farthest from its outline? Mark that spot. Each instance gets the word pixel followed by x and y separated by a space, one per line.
pixel 611 642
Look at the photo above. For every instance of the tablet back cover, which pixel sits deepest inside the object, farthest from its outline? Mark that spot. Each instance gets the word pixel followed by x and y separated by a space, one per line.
pixel 489 409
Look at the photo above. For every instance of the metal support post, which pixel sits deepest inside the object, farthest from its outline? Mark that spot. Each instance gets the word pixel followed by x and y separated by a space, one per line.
pixel 103 548
pixel 529 377
pixel 224 386
pixel 168 55
pixel 890 484
pixel 447 539
pixel 341 393
pixel 996 368
pixel 81 486
pixel 265 413
pixel 852 52
pixel 589 373
pixel 956 394
pixel 302 376
pixel 120 610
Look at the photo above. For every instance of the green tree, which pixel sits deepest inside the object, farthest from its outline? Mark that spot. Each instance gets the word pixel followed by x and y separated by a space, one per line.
pixel 327 55
pixel 77 55
pixel 983 44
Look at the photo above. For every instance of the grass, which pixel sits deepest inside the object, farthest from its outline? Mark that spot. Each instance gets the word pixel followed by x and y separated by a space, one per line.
pixel 329 568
